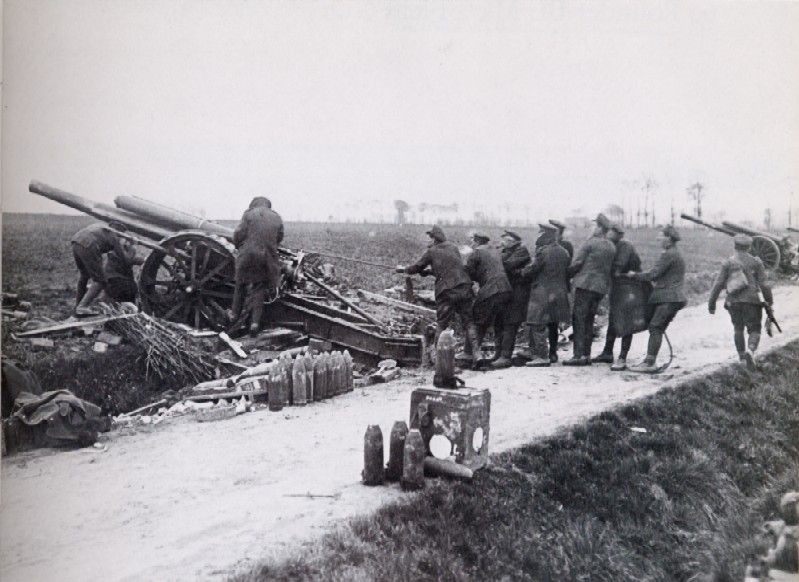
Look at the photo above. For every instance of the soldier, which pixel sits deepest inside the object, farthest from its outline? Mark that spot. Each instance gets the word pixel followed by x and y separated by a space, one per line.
pixel 257 238
pixel 561 241
pixel 668 296
pixel 549 293
pixel 514 256
pixel 591 272
pixel 625 261
pixel 484 266
pixel 453 288
pixel 742 275
pixel 88 247
pixel 118 269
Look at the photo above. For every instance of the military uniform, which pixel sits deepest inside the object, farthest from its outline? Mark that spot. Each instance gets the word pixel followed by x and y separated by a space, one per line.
pixel 591 272
pixel 453 287
pixel 257 238
pixel 743 303
pixel 514 258
pixel 667 297
pixel 118 270
pixel 549 296
pixel 626 260
pixel 484 266
pixel 88 247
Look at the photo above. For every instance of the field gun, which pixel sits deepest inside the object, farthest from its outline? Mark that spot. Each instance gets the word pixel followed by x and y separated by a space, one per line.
pixel 776 253
pixel 791 229
pixel 189 277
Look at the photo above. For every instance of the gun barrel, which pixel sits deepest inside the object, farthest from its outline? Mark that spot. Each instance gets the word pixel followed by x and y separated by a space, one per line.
pixel 742 229
pixel 715 227
pixel 100 211
pixel 791 229
pixel 169 217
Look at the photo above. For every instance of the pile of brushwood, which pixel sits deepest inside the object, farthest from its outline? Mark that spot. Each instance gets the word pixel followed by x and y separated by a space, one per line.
pixel 675 486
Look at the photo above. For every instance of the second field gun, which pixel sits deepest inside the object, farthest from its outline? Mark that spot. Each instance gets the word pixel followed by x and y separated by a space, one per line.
pixel 189 278
pixel 776 253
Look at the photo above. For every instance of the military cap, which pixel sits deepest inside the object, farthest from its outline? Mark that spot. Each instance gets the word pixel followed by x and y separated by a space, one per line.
pixel 602 221
pixel 478 235
pixel 616 227
pixel 742 240
pixel 436 233
pixel 511 234
pixel 557 224
pixel 671 232
pixel 548 227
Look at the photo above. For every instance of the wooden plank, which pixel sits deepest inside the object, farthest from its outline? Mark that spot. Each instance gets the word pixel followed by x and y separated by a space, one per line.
pixel 78 323
pixel 225 395
pixel 234 345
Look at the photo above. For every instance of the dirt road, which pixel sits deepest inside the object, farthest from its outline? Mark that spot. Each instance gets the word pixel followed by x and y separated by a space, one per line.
pixel 188 500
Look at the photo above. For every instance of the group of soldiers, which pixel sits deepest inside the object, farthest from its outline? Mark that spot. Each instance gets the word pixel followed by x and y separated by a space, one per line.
pixel 544 290
pixel 552 287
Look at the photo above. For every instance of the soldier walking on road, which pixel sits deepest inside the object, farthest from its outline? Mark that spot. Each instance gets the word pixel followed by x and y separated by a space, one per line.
pixel 549 293
pixel 591 272
pixel 88 247
pixel 668 295
pixel 514 256
pixel 625 261
pixel 743 276
pixel 453 287
pixel 484 266
pixel 257 238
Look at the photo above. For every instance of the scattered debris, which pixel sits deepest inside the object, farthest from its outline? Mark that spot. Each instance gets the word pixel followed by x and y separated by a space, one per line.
pixel 109 338
pixel 100 347
pixel 234 345
pixel 41 342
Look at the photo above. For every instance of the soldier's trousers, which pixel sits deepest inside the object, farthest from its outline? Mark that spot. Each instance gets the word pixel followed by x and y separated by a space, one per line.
pixel 662 316
pixel 458 303
pixel 538 341
pixel 610 339
pixel 586 304
pixel 750 317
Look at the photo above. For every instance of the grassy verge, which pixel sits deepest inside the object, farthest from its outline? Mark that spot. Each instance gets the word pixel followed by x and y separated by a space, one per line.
pixel 598 502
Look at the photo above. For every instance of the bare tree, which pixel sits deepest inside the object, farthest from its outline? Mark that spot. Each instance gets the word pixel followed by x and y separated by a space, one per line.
pixel 767 218
pixel 696 192
pixel 402 207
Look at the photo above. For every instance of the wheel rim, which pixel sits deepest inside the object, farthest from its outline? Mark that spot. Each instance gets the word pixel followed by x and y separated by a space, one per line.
pixel 767 251
pixel 192 282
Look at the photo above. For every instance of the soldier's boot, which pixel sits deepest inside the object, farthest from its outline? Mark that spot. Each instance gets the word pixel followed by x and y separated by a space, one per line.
pixel 498 342
pixel 508 342
pixel 538 346
pixel 554 336
pixel 648 366
pixel 619 365
pixel 474 341
pixel 603 358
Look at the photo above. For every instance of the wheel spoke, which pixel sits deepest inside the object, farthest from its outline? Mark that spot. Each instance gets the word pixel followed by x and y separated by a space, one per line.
pixel 213 272
pixel 172 311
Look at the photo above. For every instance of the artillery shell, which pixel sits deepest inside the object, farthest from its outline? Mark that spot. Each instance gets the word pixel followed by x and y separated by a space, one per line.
pixel 348 370
pixel 275 390
pixel 308 365
pixel 396 450
pixel 298 382
pixel 373 456
pixel 413 461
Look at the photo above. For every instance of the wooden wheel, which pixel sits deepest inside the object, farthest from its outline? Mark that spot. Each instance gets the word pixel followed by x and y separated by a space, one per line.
pixel 767 251
pixel 191 282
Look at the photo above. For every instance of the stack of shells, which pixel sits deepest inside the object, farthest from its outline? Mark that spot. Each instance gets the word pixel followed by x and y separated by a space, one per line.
pixel 407 452
pixel 307 378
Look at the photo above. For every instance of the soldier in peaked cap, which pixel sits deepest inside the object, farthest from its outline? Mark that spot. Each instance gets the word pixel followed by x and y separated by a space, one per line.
pixel 549 293
pixel 626 260
pixel 515 256
pixel 484 266
pixel 453 287
pixel 668 295
pixel 561 241
pixel 591 271
pixel 743 276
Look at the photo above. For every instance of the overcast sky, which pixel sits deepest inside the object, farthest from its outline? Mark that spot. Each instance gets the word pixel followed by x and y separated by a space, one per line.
pixel 557 105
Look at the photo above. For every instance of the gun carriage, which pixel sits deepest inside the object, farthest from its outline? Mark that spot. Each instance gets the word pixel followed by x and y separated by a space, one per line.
pixel 188 278
pixel 779 254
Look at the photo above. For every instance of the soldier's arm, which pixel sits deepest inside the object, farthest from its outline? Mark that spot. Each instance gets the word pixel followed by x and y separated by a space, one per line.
pixel 471 265
pixel 240 234
pixel 579 260
pixel 280 231
pixel 662 265
pixel 718 285
pixel 620 260
pixel 419 265
pixel 516 261
pixel 533 268
pixel 762 282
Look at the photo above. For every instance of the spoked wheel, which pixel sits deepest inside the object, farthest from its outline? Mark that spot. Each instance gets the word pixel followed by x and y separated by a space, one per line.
pixel 192 282
pixel 767 251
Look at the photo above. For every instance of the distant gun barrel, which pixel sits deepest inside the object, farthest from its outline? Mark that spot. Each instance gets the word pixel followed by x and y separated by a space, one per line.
pixel 171 218
pixel 748 231
pixel 722 229
pixel 791 229
pixel 100 211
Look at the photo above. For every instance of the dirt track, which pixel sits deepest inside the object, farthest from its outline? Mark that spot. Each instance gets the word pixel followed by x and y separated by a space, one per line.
pixel 187 500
